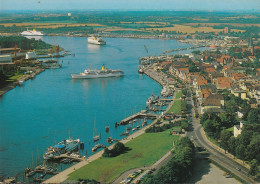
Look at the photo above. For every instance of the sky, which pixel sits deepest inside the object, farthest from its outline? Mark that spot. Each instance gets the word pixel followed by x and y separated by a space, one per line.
pixel 208 5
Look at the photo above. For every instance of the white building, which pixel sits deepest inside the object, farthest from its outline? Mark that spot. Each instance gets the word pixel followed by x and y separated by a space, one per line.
pixel 30 55
pixel 6 59
pixel 238 129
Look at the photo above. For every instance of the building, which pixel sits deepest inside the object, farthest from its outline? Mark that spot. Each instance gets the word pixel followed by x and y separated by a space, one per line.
pixel 30 55
pixel 5 59
pixel 213 103
pixel 238 129
pixel 226 30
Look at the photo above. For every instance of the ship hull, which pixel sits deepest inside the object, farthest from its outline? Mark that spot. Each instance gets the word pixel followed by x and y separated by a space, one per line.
pixel 96 41
pixel 79 76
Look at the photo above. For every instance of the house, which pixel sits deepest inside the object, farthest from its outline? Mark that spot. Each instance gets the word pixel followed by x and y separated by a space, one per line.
pixel 210 70
pixel 238 129
pixel 223 83
pixel 213 103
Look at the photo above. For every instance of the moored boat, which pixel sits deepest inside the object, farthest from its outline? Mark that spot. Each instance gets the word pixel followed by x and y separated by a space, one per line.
pixel 62 147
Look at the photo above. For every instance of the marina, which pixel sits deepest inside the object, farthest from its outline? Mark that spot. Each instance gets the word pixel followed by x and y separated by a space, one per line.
pixel 74 102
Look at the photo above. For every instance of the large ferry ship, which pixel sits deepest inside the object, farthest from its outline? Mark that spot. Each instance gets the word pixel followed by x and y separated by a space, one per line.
pixel 96 40
pixel 32 33
pixel 62 147
pixel 104 72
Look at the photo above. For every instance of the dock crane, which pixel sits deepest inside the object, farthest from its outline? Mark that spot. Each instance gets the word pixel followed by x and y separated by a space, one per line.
pixel 57 46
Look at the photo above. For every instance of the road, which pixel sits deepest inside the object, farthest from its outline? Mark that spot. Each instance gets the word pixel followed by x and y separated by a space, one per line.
pixel 217 154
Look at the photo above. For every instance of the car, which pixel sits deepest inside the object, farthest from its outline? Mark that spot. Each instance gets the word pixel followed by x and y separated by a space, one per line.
pixel 237 168
pixel 123 182
pixel 137 181
pixel 228 176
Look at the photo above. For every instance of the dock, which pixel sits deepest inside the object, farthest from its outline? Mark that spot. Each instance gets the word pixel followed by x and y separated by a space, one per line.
pixel 180 49
pixel 142 114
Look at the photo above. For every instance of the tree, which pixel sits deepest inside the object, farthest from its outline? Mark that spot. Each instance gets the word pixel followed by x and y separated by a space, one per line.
pixel 232 145
pixel 224 138
pixel 254 116
pixel 254 168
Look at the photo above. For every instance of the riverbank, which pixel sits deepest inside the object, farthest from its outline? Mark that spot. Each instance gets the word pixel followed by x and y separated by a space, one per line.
pixel 22 79
pixel 64 175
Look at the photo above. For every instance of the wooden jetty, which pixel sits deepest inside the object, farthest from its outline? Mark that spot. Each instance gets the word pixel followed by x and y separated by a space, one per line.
pixel 142 114
pixel 70 157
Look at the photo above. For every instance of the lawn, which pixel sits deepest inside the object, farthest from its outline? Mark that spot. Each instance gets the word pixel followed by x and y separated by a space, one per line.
pixel 177 107
pixel 15 77
pixel 178 95
pixel 231 129
pixel 145 150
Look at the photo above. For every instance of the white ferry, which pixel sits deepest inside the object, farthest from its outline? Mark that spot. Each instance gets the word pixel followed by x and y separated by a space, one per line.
pixel 104 72
pixel 96 40
pixel 32 33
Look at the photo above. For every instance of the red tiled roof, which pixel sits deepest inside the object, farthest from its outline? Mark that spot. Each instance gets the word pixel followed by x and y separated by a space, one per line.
pixel 184 69
pixel 226 67
pixel 223 82
pixel 210 70
pixel 238 76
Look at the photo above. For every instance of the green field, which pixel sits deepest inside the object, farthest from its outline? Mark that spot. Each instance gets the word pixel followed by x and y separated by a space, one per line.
pixel 145 150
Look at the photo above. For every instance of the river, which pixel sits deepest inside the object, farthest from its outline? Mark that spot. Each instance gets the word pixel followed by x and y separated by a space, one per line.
pixel 36 115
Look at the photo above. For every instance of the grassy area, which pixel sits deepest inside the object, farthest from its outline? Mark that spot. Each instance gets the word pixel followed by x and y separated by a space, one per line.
pixel 177 107
pixel 15 77
pixel 178 95
pixel 145 150
pixel 231 129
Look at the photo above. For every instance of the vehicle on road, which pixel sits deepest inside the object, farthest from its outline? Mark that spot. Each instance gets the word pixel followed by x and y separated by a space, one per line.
pixel 237 168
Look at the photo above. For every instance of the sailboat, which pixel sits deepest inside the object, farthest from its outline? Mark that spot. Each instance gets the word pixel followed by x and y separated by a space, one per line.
pixel 95 136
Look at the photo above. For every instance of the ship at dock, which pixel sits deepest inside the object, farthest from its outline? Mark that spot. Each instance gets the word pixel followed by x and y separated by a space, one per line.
pixel 97 40
pixel 104 72
pixel 32 33
pixel 62 147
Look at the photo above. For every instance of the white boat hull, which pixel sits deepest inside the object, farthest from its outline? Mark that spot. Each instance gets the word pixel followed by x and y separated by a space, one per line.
pixel 96 41
pixel 79 76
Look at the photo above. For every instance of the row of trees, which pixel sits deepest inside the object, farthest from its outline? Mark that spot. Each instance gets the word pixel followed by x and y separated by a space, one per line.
pixel 179 168
pixel 247 145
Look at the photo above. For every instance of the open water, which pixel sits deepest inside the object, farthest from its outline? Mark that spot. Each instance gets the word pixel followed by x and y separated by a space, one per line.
pixel 41 112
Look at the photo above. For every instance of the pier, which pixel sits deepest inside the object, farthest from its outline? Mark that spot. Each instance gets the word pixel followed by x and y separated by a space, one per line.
pixel 141 114
pixel 79 159
pixel 188 48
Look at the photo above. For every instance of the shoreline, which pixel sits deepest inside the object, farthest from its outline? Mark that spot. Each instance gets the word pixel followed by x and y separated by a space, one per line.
pixel 25 77
pixel 64 175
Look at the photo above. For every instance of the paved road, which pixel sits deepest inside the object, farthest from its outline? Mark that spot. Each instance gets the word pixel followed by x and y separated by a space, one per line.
pixel 217 154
